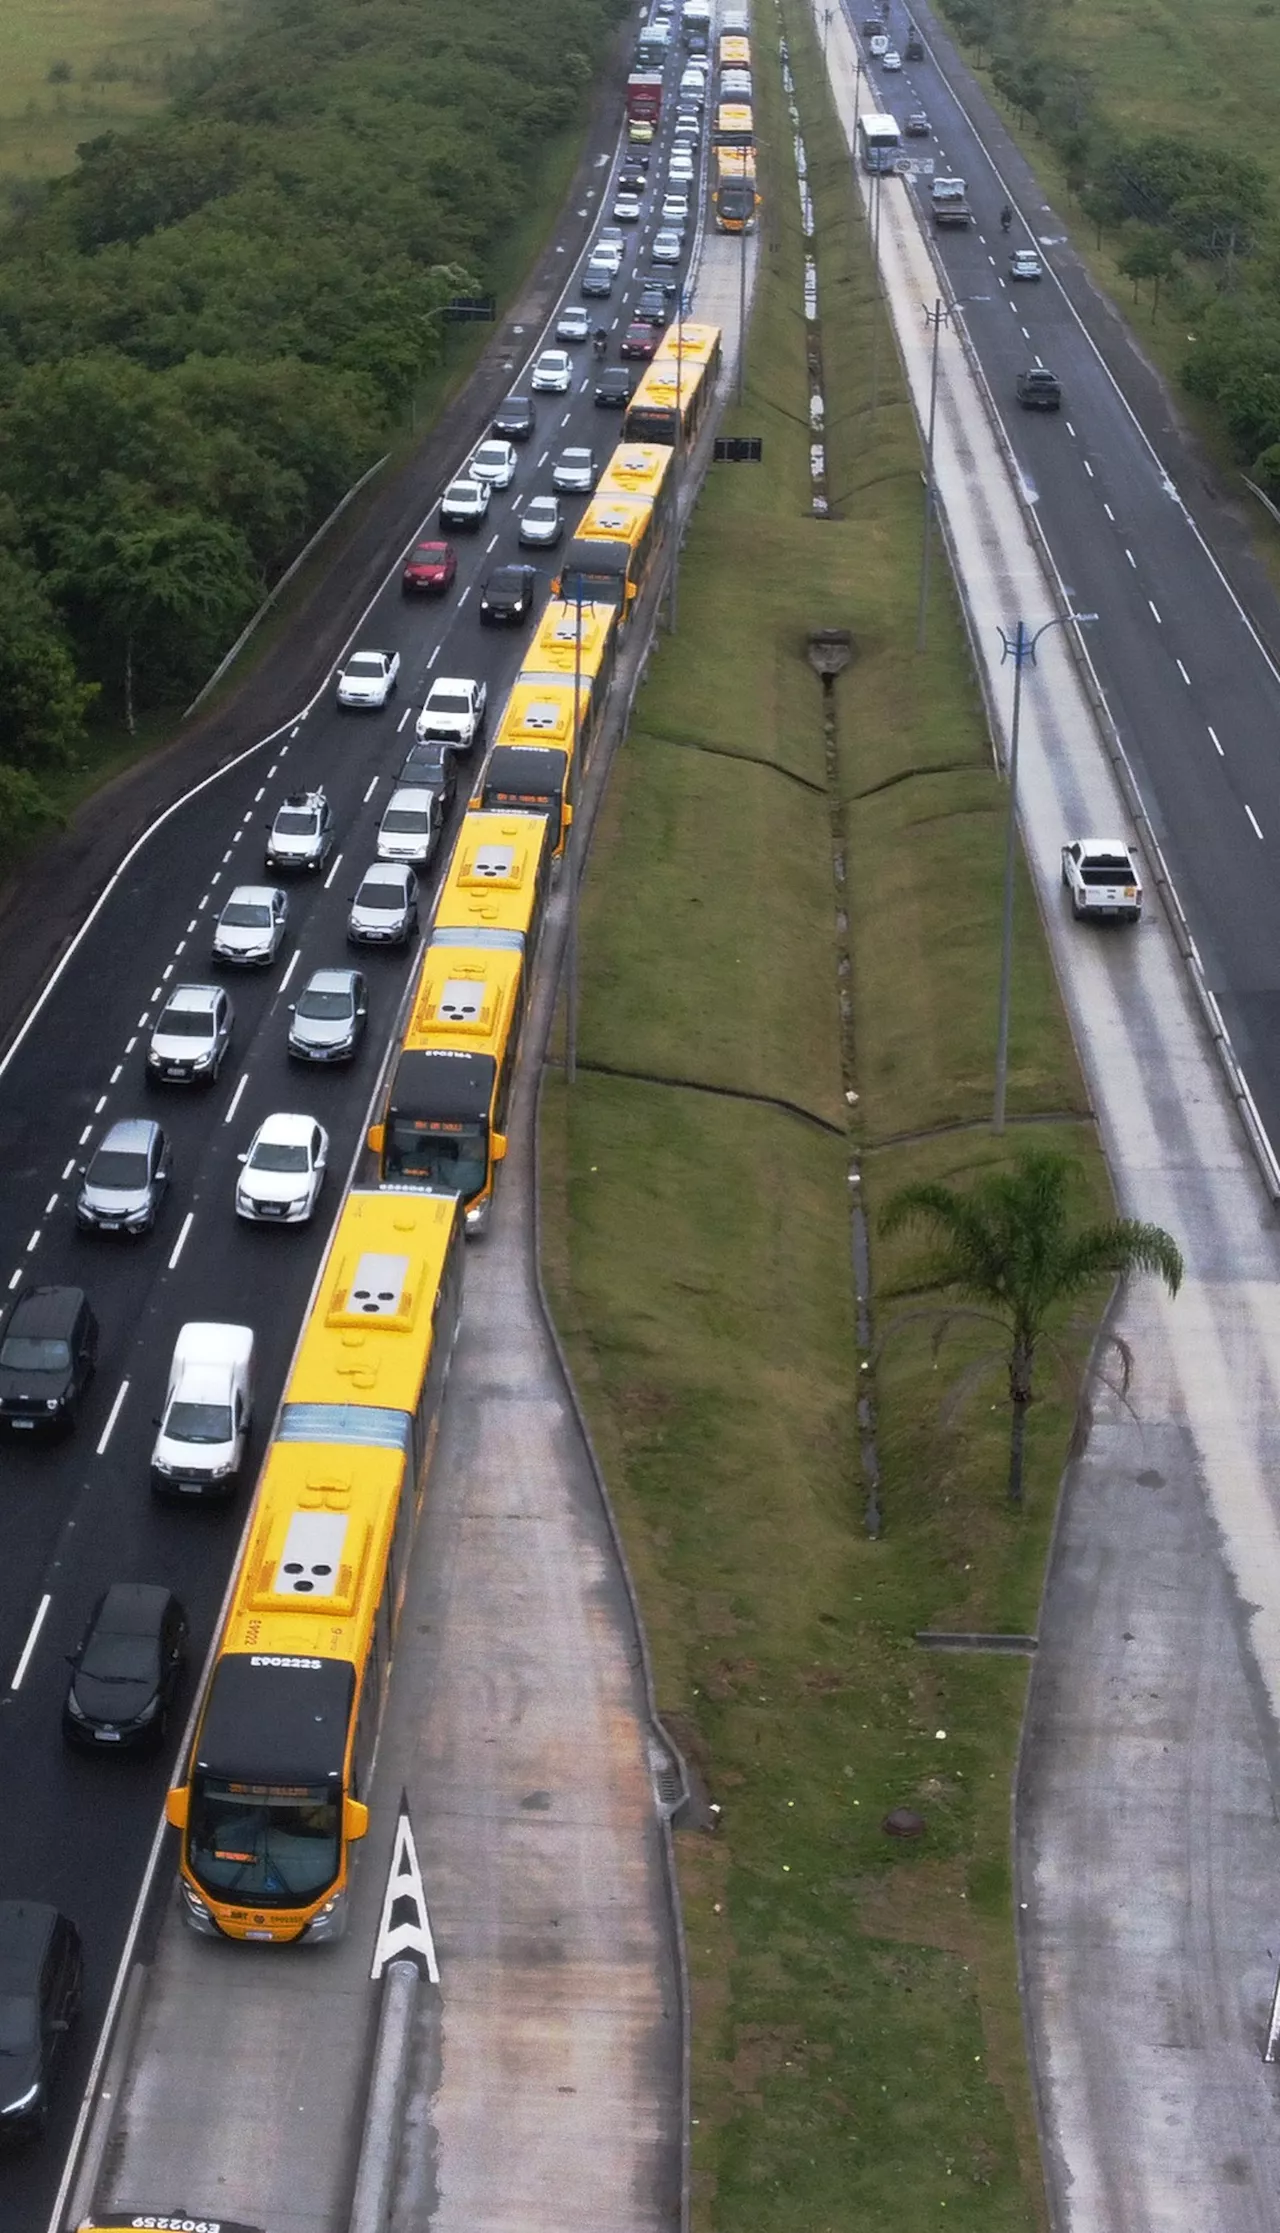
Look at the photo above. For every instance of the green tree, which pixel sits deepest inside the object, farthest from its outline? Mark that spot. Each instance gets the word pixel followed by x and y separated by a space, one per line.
pixel 1007 1248
pixel 42 703
pixel 1150 255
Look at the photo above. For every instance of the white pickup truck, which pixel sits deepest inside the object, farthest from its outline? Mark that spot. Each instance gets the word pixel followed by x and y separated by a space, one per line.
pixel 454 711
pixel 208 1411
pixel 1102 877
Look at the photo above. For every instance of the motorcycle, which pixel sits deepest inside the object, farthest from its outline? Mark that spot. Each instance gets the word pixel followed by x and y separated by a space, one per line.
pixel 600 342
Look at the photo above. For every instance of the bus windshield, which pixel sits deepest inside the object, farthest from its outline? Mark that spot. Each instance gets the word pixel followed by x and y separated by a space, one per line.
pixel 456 1160
pixel 276 1847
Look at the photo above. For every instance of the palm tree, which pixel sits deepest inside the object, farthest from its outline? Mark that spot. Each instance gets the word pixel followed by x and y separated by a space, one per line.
pixel 1007 1245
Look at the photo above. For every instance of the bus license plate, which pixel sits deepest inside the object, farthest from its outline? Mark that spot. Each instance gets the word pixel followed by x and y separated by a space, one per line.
pixel 264 1936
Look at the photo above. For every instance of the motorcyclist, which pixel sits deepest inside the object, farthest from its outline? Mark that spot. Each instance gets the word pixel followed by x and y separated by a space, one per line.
pixel 600 341
pixel 1006 218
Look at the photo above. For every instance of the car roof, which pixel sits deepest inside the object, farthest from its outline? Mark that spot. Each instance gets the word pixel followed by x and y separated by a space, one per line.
pixel 264 893
pixel 198 1000
pixel 461 480
pixel 296 799
pixel 331 980
pixel 386 872
pixel 525 402
pixel 548 503
pixel 286 1124
pixel 492 442
pixel 46 1310
pixel 129 1133
pixel 132 1608
pixel 451 682
pixel 26 1927
pixel 1113 847
pixel 412 794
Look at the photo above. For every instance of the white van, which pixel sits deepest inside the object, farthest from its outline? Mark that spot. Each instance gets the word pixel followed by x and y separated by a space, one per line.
pixel 208 1411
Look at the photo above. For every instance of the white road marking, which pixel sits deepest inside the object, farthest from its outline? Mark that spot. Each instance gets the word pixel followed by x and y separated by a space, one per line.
pixel 1183 672
pixel 1254 819
pixel 100 1104
pixel 1214 734
pixel 1088 468
pixel 166 974
pixel 114 1413
pixel 181 946
pixel 85 1134
pixel 465 594
pixel 1129 555
pixel 247 817
pixel 33 1638
pixel 374 785
pixel 582 389
pixel 16 1277
pixel 399 726
pixel 1110 514
pixel 115 1075
pixel 181 1242
pixel 272 769
pixel 34 1241
pixel 70 1168
pixel 542 461
pixel 1155 615
pixel 234 1103
pixel 337 860
pixel 158 994
pixel 432 660
pixel 191 926
pixel 568 414
pixel 258 796
pixel 1025 335
pixel 289 968
pixel 227 855
pixel 52 1203
pixel 492 544
pixel 204 902
pixel 293 732
pixel 130 1044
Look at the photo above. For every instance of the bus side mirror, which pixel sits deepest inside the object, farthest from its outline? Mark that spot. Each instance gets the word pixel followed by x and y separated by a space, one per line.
pixel 176 1806
pixel 355 1819
pixel 375 1137
pixel 497 1145
pixel 567 816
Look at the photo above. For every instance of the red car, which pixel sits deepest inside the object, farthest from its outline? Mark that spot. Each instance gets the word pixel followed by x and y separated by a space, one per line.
pixel 639 340
pixel 430 568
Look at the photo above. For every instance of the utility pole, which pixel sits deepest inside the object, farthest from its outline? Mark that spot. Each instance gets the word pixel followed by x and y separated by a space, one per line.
pixel 571 862
pixel 940 315
pixel 676 476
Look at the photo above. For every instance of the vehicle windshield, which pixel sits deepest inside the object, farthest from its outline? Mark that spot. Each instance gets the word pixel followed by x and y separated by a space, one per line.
pixel 275 1847
pixel 325 1007
pixel 509 582
pixel 406 821
pixel 292 822
pixel 184 1023
pixel 365 663
pixel 456 1160
pixel 429 554
pixel 387 898
pixel 17 2023
pixel 543 507
pixel 278 1155
pixel 490 453
pixel 198 1422
pixel 117 1167
pixel 35 1353
pixel 246 914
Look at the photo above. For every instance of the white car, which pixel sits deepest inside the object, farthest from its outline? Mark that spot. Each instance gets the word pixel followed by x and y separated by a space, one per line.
pixel 494 463
pixel 574 472
pixel 878 45
pixel 384 911
pixel 465 502
pixel 283 1171
pixel 680 169
pixel 208 1410
pixel 190 1037
pixel 368 678
pixel 454 711
pixel 667 248
pixel 1025 264
pixel 553 372
pixel 891 59
pixel 608 252
pixel 410 826
pixel 541 523
pixel 573 323
pixel 1102 877
pixel 250 930
pixel 627 208
pixel 301 836
pixel 675 209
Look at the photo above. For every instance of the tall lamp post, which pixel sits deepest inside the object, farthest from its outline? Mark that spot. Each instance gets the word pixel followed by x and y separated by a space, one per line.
pixel 571 860
pixel 940 315
pixel 1021 648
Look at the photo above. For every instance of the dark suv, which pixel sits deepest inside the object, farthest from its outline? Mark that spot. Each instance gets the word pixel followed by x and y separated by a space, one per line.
pixel 41 1971
pixel 47 1354
pixel 432 765
pixel 515 419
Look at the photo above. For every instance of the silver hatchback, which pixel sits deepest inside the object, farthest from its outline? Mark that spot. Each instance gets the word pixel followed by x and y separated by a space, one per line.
pixel 125 1179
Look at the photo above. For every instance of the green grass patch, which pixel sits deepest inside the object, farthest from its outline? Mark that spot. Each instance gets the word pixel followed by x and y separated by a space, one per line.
pixel 858 2054
pixel 77 68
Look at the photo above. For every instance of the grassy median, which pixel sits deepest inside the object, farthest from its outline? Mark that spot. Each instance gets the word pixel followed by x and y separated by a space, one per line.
pixel 858 2043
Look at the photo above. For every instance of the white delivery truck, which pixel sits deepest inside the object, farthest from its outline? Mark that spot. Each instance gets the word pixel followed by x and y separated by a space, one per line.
pixel 208 1411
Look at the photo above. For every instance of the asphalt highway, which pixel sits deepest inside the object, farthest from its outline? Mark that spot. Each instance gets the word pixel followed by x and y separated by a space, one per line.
pixel 79 1514
pixel 1194 695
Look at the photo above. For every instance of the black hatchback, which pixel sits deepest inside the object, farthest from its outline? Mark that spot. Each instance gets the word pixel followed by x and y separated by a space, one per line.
pixel 41 1981
pixel 507 596
pixel 432 765
pixel 614 388
pixel 515 419
pixel 124 1676
pixel 47 1355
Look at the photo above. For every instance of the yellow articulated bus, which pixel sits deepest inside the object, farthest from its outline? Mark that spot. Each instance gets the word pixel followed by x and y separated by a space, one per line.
pixel 276 1786
pixel 530 766
pixel 442 1124
pixel 733 189
pixel 642 469
pixel 735 125
pixel 608 561
pixel 160 2221
pixel 677 389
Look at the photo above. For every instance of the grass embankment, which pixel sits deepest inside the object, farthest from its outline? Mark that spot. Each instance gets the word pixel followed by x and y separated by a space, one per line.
pixel 74 68
pixel 857 2042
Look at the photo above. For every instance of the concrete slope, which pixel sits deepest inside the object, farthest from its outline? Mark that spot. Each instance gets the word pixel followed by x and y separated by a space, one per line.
pixel 1146 1831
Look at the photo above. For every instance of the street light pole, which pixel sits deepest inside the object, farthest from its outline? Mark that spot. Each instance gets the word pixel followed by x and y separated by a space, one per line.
pixel 940 315
pixel 571 862
pixel 742 303
pixel 677 461
pixel 1021 648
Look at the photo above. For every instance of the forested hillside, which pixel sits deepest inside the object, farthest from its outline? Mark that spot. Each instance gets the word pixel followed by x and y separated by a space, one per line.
pixel 207 326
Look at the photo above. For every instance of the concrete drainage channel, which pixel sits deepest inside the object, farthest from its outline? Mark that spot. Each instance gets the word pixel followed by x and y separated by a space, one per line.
pixel 813 330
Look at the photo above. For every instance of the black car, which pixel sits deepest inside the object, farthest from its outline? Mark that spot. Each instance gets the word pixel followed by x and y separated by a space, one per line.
pixel 659 282
pixel 633 180
pixel 41 1973
pixel 124 1676
pixel 47 1355
pixel 432 766
pixel 614 388
pixel 507 595
pixel 651 309
pixel 515 419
